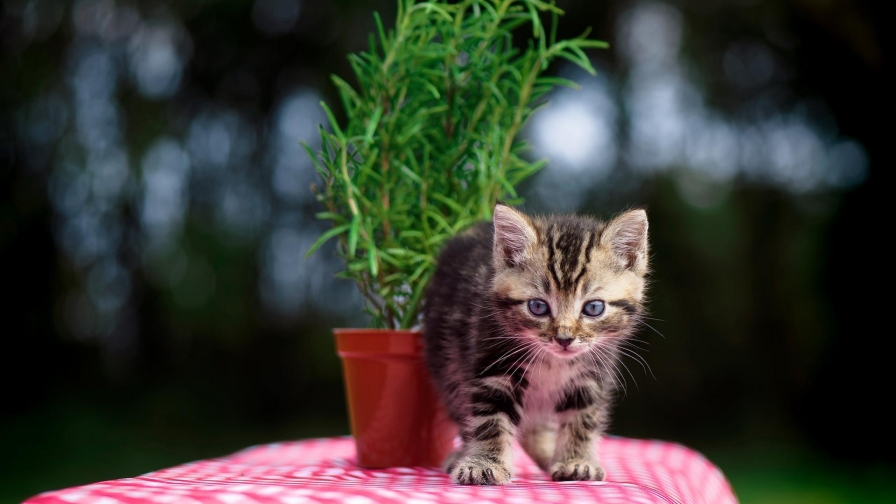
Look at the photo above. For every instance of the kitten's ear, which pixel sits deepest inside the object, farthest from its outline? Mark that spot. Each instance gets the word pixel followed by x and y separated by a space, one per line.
pixel 626 236
pixel 513 234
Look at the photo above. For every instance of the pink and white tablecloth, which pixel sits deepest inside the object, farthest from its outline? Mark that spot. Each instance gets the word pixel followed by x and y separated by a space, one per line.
pixel 323 471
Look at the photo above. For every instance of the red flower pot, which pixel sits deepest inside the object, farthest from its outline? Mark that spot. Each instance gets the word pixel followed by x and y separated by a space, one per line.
pixel 397 418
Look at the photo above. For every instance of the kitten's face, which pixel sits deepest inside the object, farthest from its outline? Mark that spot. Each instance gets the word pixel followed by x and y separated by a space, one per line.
pixel 567 284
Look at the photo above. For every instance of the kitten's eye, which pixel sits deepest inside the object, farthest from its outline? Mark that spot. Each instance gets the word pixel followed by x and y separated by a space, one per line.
pixel 538 307
pixel 593 308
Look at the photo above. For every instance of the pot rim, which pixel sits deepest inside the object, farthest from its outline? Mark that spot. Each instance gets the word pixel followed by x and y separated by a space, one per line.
pixel 378 343
pixel 354 330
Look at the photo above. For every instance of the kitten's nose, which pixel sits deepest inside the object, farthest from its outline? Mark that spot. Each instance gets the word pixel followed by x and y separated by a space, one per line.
pixel 564 340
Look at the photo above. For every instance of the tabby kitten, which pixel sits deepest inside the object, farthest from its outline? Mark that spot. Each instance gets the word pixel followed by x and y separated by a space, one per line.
pixel 523 320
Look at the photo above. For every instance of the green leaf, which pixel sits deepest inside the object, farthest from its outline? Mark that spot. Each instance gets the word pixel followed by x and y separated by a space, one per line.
pixel 333 123
pixel 357 266
pixel 591 43
pixel 417 272
pixel 432 90
pixel 461 224
pixel 329 216
pixel 313 156
pixel 583 58
pixel 411 175
pixel 415 299
pixel 387 258
pixel 545 6
pixel 399 252
pixel 450 203
pixel 515 22
pixel 424 258
pixel 353 235
pixel 350 98
pixel 437 239
pixel 326 236
pixel 557 81
pixel 372 124
pixel 394 278
pixel 371 259
pixel 431 7
pixel 384 40
pixel 439 220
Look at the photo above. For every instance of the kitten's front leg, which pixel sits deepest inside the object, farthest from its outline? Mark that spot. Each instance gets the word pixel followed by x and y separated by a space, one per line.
pixel 485 458
pixel 581 425
pixel 539 441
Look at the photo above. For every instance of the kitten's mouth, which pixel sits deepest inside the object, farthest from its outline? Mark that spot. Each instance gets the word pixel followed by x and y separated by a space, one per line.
pixel 565 352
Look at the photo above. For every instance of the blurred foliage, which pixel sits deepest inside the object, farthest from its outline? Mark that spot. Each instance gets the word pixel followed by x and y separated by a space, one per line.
pixel 135 340
pixel 430 142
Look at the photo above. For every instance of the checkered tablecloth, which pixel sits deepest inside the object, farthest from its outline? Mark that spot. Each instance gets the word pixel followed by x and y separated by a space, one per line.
pixel 323 471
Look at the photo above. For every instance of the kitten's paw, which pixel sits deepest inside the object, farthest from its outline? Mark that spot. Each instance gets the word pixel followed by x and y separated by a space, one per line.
pixel 577 470
pixel 479 470
pixel 451 460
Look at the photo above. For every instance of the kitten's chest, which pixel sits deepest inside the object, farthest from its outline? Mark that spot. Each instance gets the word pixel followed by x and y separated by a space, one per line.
pixel 548 384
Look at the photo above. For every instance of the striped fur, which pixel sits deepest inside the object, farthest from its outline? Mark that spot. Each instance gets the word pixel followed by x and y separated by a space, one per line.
pixel 501 370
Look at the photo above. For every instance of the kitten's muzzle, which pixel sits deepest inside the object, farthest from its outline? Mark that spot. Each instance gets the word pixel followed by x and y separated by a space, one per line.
pixel 564 340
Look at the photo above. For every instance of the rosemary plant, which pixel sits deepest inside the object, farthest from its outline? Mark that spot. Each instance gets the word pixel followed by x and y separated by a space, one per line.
pixel 429 142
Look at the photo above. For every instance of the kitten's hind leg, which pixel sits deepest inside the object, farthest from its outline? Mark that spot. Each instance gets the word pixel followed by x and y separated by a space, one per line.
pixel 539 441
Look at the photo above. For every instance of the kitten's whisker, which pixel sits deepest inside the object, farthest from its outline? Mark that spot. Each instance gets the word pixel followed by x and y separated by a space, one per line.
pixel 491 346
pixel 529 345
pixel 487 314
pixel 594 362
pixel 496 342
pixel 537 359
pixel 525 359
pixel 501 337
pixel 502 358
pixel 616 378
pixel 635 355
pixel 487 307
pixel 611 359
pixel 640 360
pixel 631 340
pixel 541 356
pixel 632 345
pixel 493 309
pixel 650 326
pixel 629 371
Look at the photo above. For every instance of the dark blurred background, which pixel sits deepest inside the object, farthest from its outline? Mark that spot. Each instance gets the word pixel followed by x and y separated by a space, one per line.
pixel 155 211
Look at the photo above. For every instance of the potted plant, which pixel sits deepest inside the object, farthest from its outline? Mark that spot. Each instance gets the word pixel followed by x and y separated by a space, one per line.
pixel 428 145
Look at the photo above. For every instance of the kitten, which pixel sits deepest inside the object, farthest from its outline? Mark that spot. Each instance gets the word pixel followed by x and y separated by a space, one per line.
pixel 522 322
